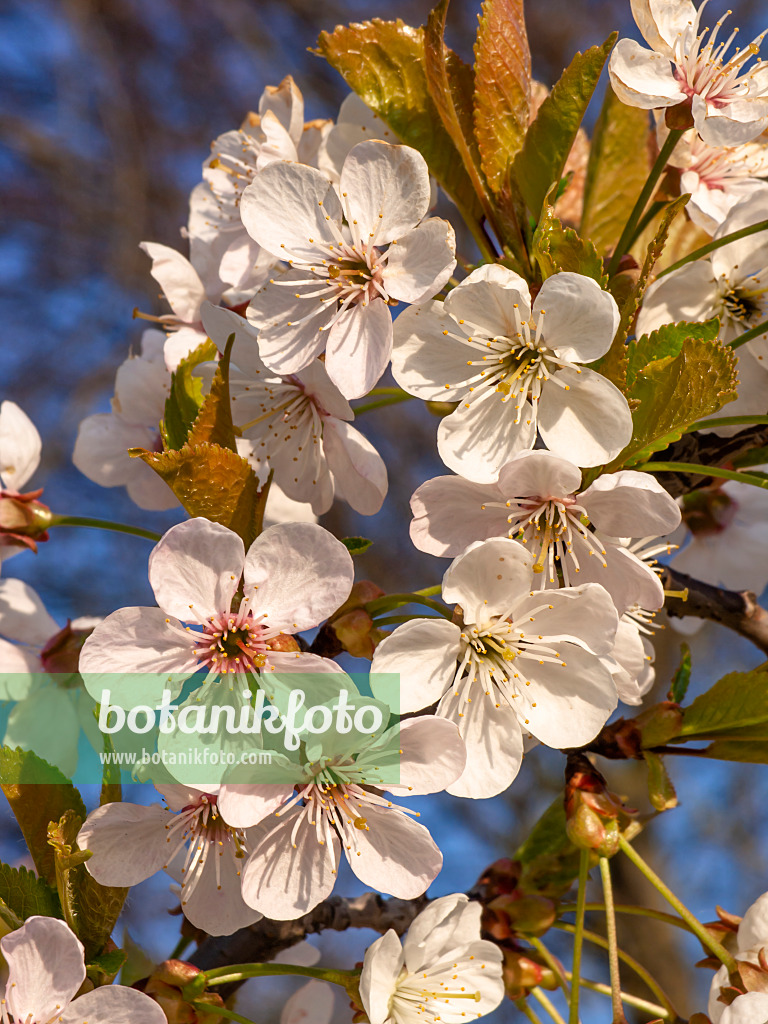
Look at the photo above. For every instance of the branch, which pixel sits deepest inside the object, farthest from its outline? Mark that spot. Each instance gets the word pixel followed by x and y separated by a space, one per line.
pixel 708 450
pixel 738 610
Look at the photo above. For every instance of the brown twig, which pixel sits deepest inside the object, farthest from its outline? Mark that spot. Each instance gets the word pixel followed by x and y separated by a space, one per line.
pixel 738 610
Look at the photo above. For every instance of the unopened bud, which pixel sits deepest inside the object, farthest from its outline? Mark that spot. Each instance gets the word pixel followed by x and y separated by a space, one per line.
pixel 173 986
pixel 24 521
pixel 585 828
pixel 521 973
pixel 679 117
pixel 441 408
pixel 356 633
pixel 284 642
pixel 528 914
pixel 61 653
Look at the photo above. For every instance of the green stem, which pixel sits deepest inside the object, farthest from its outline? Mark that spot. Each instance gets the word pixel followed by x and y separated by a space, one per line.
pixel 573 1013
pixel 628 908
pixel 693 923
pixel 396 395
pixel 705 250
pixel 753 332
pixel 641 1004
pixel 551 963
pixel 221 1011
pixel 642 201
pixel 391 601
pixel 613 945
pixel 241 972
pixel 430 591
pixel 729 421
pixel 181 945
pixel 523 1007
pixel 548 1005
pixel 694 467
pixel 103 524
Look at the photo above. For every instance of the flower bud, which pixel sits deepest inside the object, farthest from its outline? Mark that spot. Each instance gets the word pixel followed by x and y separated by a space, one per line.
pixel 521 973
pixel 24 520
pixel 528 914
pixel 594 815
pixel 441 408
pixel 62 653
pixel 166 984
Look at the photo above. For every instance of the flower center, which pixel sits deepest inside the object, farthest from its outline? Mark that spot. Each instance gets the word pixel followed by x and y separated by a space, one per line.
pixel 701 67
pixel 708 512
pixel 432 996
pixel 201 826
pixel 742 304
pixel 234 642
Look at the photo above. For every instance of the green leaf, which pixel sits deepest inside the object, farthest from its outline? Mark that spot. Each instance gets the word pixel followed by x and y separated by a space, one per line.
pixel 549 139
pixel 23 895
pixel 138 964
pixel 186 396
pixel 502 87
pixel 668 340
pixel 356 545
pixel 90 909
pixel 103 969
pixel 213 482
pixel 682 676
pixel 660 787
pixel 555 248
pixel 384 63
pixel 747 751
pixel 38 794
pixel 755 457
pixel 549 860
pixel 736 704
pixel 619 162
pixel 213 424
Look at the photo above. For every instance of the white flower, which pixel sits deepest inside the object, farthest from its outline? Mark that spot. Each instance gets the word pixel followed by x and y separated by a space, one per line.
pixel 300 425
pixel 201 838
pixel 46 967
pixel 537 501
pixel 142 385
pixel 293 863
pixel 521 662
pixel 729 101
pixel 513 370
pixel 20 447
pixel 750 1008
pixel 355 123
pixel 443 971
pixel 728 536
pixel 294 575
pixel 336 295
pixel 751 939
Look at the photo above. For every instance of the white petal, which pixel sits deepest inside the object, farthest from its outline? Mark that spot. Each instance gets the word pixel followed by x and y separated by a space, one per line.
pixel 282 509
pixel 46 723
pixel 585 615
pixel 580 319
pixel 449 513
pixel 195 569
pixel 313 1003
pixel 753 928
pixel 630 504
pixel 101 449
pixel 426 362
pixel 397 856
pixel 488 578
pixel 20 446
pixel 245 806
pixel 442 927
pixel 385 189
pixel 114 1004
pixel 286 104
pixel 284 877
pixel 359 346
pixel 626 578
pixel 539 473
pixel 481 435
pixel 421 262
pixel 660 21
pixel 220 324
pixel 129 842
pixel 751 1008
pixel 180 344
pixel 277 144
pixel 150 491
pixel 378 979
pixel 687 294
pixel 297 574
pixel 358 470
pixel 493 740
pixel 318 385
pixel 432 755
pixel 589 424
pixel 212 899
pixel 738 260
pixel 733 125
pixel 643 78
pixel 179 280
pixel 45 968
pixel 487 298
pixel 288 341
pixel 23 615
pixel 422 653
pixel 141 388
pixel 19 667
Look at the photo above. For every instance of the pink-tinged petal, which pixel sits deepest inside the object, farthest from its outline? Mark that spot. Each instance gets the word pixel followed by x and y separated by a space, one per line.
pixel 630 504
pixel 487 299
pixel 643 78
pixel 378 979
pixel 20 446
pixel 289 326
pixel 45 969
pixel 285 876
pixel 590 423
pixel 358 470
pixel 179 280
pixel 488 578
pixel 180 343
pixel 426 361
pixel 359 346
pixel 129 842
pixel 493 740
pixel 423 654
pixel 687 295
pixel 195 569
pixel 733 125
pixel 397 856
pixel 101 449
pixel 626 578
pixel 132 641
pixel 313 1003
pixel 114 1004
pixel 318 385
pixel 385 190
pixel 297 574
pixel 211 897
pixel 432 756
pixel 585 615
pixel 285 208
pixel 178 796
pixel 572 703
pixel 23 615
pixel 421 262
pixel 481 435
pixel 540 474
pixel 580 319
pixel 244 806
pixel 220 324
pixel 449 513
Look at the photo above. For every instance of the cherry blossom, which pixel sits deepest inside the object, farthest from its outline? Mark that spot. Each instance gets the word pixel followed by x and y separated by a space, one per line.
pixel 443 971
pixel 336 295
pixel 201 838
pixel 299 424
pixel 338 805
pixel 514 369
pixel 355 123
pixel 23 518
pixel 495 675
pixel 751 940
pixel 46 967
pixel 294 575
pixel 537 501
pixel 686 64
